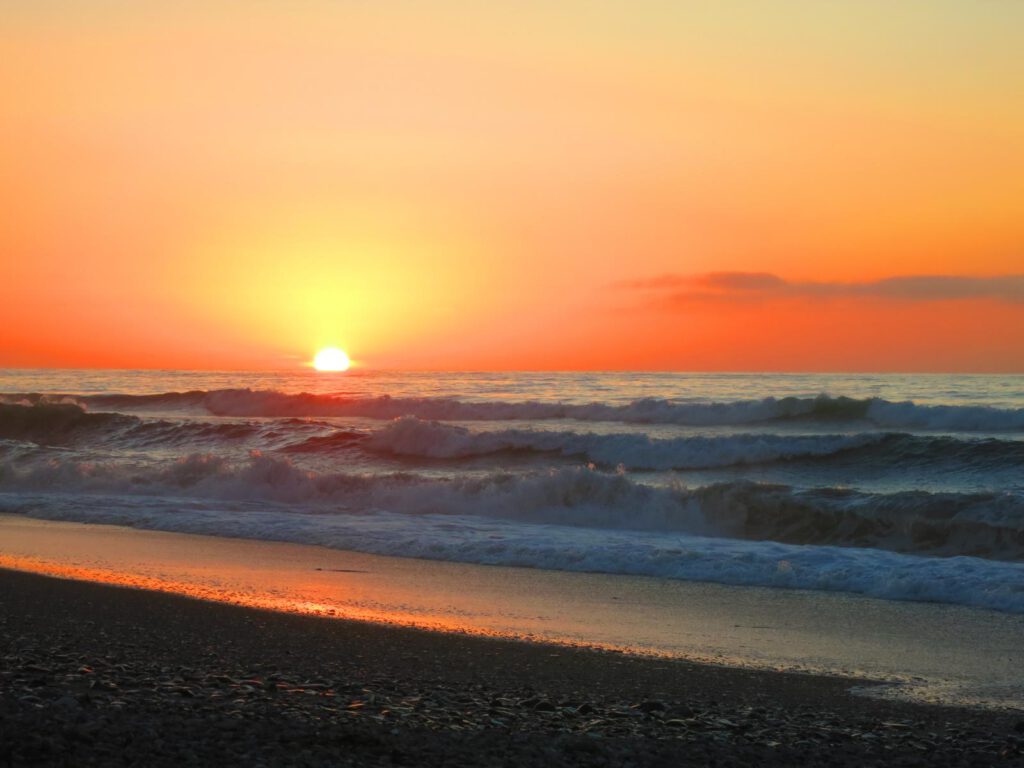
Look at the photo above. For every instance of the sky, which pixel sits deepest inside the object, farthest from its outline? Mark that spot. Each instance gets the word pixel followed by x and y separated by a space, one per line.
pixel 660 184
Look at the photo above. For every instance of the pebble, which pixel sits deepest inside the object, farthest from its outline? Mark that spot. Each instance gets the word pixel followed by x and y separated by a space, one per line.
pixel 213 709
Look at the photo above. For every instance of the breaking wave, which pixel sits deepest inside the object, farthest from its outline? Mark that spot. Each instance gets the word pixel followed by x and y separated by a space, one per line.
pixel 65 423
pixel 56 423
pixel 412 437
pixel 875 411
pixel 989 525
pixel 409 436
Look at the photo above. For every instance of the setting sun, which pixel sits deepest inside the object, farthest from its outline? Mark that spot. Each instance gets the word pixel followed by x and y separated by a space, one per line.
pixel 331 359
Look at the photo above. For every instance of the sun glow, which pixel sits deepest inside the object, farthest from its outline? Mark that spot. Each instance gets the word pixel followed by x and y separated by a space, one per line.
pixel 331 359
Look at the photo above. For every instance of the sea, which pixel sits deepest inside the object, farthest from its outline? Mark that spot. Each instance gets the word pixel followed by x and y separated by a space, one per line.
pixel 899 487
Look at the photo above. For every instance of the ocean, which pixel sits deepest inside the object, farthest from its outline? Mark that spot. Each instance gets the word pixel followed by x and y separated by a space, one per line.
pixel 900 487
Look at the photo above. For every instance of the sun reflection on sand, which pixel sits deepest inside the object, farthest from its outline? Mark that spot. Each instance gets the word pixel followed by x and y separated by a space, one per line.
pixel 305 602
pixel 297 579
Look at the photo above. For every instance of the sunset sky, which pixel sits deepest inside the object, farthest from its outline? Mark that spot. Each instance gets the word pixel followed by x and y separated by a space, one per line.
pixel 513 185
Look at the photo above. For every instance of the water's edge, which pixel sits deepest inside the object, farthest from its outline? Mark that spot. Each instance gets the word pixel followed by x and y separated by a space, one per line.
pixel 879 650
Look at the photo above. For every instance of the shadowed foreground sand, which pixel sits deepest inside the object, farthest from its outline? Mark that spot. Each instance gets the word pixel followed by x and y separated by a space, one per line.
pixel 104 675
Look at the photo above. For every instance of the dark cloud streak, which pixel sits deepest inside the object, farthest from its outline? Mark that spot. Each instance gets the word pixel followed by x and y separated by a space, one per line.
pixel 677 291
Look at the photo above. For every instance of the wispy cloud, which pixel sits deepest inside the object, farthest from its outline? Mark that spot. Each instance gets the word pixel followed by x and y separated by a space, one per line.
pixel 677 291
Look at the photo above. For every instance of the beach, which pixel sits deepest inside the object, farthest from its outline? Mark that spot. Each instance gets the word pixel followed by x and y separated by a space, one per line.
pixel 100 675
pixel 922 652
pixel 175 649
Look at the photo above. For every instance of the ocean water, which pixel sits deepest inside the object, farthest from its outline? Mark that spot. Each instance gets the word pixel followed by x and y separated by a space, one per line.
pixel 902 487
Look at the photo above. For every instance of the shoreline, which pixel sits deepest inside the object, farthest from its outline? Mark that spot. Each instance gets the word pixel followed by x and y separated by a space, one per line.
pixel 923 652
pixel 127 674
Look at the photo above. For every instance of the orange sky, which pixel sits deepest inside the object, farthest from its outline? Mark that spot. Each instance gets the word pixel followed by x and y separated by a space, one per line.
pixel 476 185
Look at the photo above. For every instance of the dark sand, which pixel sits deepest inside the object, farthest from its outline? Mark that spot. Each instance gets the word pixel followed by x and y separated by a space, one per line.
pixel 98 675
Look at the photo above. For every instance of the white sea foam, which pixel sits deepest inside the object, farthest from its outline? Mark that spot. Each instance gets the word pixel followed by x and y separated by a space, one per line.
pixel 882 574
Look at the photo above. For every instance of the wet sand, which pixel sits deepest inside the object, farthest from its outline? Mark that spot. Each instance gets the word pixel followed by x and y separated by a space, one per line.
pixel 926 652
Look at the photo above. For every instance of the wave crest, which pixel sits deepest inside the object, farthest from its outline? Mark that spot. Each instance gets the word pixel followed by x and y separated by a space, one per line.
pixel 410 436
pixel 824 408
pixel 54 423
pixel 987 525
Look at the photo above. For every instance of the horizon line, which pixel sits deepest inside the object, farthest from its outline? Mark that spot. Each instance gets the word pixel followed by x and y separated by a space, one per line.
pixel 367 369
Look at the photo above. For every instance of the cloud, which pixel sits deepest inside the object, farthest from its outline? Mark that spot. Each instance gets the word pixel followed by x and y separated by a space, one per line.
pixel 945 287
pixel 677 291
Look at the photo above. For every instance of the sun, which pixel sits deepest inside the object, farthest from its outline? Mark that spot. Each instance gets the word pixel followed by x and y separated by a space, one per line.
pixel 331 359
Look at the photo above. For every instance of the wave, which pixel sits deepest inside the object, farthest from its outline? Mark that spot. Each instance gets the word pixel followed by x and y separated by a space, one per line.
pixel 824 408
pixel 414 438
pixel 340 439
pixel 165 400
pixel 55 423
pixel 65 423
pixel 989 524
pixel 410 436
pixel 877 573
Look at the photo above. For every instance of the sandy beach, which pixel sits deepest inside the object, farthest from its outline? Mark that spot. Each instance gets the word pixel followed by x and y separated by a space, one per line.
pixel 100 675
